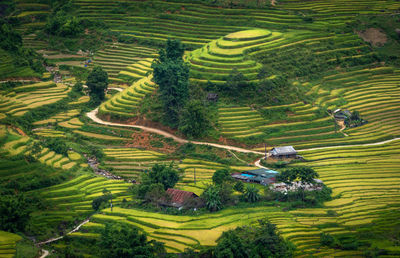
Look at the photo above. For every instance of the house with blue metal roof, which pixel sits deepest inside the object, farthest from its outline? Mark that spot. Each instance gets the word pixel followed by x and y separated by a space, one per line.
pixel 261 176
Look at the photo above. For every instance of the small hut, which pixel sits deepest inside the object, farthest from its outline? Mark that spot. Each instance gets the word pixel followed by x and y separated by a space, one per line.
pixel 283 152
pixel 178 198
pixel 212 97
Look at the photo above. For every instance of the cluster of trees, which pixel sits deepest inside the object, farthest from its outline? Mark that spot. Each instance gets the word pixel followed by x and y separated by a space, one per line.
pixel 61 22
pixel 238 88
pixel 155 182
pixel 116 240
pixel 258 240
pixel 102 200
pixel 11 42
pixel 171 73
pixel 14 212
pixel 302 197
pixel 354 120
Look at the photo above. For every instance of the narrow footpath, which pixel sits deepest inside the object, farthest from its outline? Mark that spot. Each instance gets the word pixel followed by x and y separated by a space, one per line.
pixel 93 115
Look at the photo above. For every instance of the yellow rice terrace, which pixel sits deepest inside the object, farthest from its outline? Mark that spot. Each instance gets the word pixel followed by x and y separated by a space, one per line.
pixel 199 128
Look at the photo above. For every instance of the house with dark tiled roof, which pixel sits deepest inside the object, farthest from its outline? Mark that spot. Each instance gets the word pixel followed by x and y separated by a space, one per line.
pixel 283 152
pixel 178 198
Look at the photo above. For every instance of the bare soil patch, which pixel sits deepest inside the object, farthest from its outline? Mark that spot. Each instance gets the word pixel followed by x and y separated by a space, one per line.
pixel 374 36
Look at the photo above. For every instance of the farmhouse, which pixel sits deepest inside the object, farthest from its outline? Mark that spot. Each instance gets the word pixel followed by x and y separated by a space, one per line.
pixel 260 176
pixel 178 198
pixel 283 152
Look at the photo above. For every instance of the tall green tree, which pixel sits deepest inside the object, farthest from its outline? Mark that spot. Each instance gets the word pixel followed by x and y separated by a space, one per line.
pixel 212 198
pixel 220 176
pixel 97 83
pixel 124 240
pixel 194 121
pixel 172 76
pixel 161 174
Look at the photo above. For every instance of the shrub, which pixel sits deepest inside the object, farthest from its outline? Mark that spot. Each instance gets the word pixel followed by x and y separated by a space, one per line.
pixel 99 201
pixel 239 186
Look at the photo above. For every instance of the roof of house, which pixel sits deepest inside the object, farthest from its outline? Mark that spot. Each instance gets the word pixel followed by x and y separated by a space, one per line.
pixel 285 150
pixel 178 197
pixel 261 171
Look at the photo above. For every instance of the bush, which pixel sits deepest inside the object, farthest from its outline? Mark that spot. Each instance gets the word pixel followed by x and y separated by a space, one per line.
pixel 99 201
pixel 239 186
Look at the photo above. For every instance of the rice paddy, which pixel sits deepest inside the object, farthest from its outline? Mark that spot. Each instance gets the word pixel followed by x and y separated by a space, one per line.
pixel 27 97
pixel 7 244
pixel 364 179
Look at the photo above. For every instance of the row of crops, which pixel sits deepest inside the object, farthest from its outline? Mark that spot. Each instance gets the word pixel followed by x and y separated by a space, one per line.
pixel 72 201
pixel 8 243
pixel 24 98
pixel 126 103
pixel 117 57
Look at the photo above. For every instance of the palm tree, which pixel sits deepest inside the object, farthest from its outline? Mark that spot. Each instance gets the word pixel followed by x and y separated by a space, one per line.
pixel 212 198
pixel 251 194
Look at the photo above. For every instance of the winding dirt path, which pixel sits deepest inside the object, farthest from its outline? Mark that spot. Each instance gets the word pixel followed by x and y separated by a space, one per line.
pixel 44 253
pixel 60 237
pixel 93 115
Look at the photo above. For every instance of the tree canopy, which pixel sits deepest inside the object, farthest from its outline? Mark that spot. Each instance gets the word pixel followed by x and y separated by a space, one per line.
pixel 261 240
pixel 14 212
pixel 97 83
pixel 172 76
pixel 304 174
pixel 162 174
pixel 194 121
pixel 124 240
pixel 220 176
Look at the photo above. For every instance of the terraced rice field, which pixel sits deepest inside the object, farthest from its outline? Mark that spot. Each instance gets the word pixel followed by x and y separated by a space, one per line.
pixel 31 96
pixel 16 144
pixel 8 243
pixel 215 60
pixel 73 200
pixel 131 162
pixel 58 118
pixel 137 70
pixel 118 57
pixel 125 104
pixel 363 193
pixel 364 179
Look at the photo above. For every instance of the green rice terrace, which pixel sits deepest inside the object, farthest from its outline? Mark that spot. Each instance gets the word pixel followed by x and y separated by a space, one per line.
pixel 199 128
